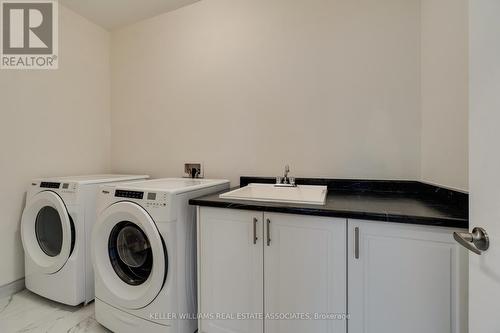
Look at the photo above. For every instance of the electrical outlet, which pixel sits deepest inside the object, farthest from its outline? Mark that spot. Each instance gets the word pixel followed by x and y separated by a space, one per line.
pixel 193 170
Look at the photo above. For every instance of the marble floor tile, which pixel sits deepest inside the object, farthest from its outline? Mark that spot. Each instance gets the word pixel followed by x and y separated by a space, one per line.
pixel 28 312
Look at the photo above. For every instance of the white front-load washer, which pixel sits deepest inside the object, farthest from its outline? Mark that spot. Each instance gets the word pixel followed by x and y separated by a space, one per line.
pixel 56 227
pixel 144 255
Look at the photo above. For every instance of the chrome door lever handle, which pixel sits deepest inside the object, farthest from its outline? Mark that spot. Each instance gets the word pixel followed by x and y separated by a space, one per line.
pixel 477 241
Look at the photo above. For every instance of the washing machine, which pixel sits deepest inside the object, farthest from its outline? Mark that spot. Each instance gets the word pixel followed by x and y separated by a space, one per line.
pixel 56 230
pixel 144 255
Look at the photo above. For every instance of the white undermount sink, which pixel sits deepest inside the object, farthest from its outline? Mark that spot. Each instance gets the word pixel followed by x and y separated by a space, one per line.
pixel 301 194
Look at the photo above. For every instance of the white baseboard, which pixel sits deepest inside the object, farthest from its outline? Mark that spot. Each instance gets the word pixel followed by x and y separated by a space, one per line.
pixel 12 288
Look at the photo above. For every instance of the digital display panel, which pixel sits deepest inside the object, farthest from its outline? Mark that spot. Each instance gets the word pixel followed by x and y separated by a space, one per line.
pixel 151 196
pixel 49 185
pixel 129 194
pixel 65 186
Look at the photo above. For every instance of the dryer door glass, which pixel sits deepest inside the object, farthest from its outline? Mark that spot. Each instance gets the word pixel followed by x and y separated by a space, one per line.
pixel 49 231
pixel 130 253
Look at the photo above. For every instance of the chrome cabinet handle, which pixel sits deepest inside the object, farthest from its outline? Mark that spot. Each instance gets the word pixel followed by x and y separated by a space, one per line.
pixel 476 241
pixel 356 243
pixel 268 222
pixel 255 238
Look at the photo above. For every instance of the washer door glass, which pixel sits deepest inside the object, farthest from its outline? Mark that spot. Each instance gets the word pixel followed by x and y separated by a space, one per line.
pixel 130 253
pixel 49 231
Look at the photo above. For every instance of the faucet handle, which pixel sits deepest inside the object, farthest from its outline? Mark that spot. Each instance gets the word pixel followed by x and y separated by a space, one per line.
pixel 278 180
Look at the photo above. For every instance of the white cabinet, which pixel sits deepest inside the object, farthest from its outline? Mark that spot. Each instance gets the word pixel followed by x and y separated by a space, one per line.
pixel 290 266
pixel 285 271
pixel 405 278
pixel 304 273
pixel 230 270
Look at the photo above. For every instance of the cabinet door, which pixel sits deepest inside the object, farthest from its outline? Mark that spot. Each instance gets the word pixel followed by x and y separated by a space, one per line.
pixel 230 255
pixel 304 273
pixel 405 278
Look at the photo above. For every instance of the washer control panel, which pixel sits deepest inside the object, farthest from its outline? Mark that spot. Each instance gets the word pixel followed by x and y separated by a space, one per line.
pixel 156 199
pixel 129 194
pixel 150 199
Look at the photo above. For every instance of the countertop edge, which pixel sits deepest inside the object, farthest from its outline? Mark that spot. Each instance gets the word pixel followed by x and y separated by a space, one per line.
pixel 393 218
pixel 455 202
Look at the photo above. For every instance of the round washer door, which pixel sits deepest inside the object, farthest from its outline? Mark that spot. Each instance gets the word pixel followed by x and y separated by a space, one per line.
pixel 129 256
pixel 47 232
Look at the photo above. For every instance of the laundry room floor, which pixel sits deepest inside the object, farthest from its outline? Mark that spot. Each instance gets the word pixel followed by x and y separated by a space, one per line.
pixel 28 312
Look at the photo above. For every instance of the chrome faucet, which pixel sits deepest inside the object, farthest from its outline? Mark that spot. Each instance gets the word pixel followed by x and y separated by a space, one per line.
pixel 285 181
pixel 285 175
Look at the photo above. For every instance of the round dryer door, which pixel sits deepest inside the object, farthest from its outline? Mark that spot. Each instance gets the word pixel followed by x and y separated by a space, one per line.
pixel 130 258
pixel 47 232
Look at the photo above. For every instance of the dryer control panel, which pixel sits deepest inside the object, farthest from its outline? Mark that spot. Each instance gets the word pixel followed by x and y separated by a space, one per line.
pixel 63 187
pixel 50 185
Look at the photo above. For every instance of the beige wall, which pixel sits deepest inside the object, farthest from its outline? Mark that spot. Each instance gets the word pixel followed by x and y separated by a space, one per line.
pixel 52 123
pixel 444 89
pixel 330 87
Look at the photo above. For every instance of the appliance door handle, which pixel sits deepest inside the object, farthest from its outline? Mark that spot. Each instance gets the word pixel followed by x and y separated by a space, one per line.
pixel 255 238
pixel 268 223
pixel 476 241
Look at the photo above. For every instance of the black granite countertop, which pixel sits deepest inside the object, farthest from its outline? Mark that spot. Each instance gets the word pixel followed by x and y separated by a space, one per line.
pixel 390 201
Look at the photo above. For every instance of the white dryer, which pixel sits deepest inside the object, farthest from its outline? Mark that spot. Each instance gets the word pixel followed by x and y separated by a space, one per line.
pixel 56 229
pixel 144 255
